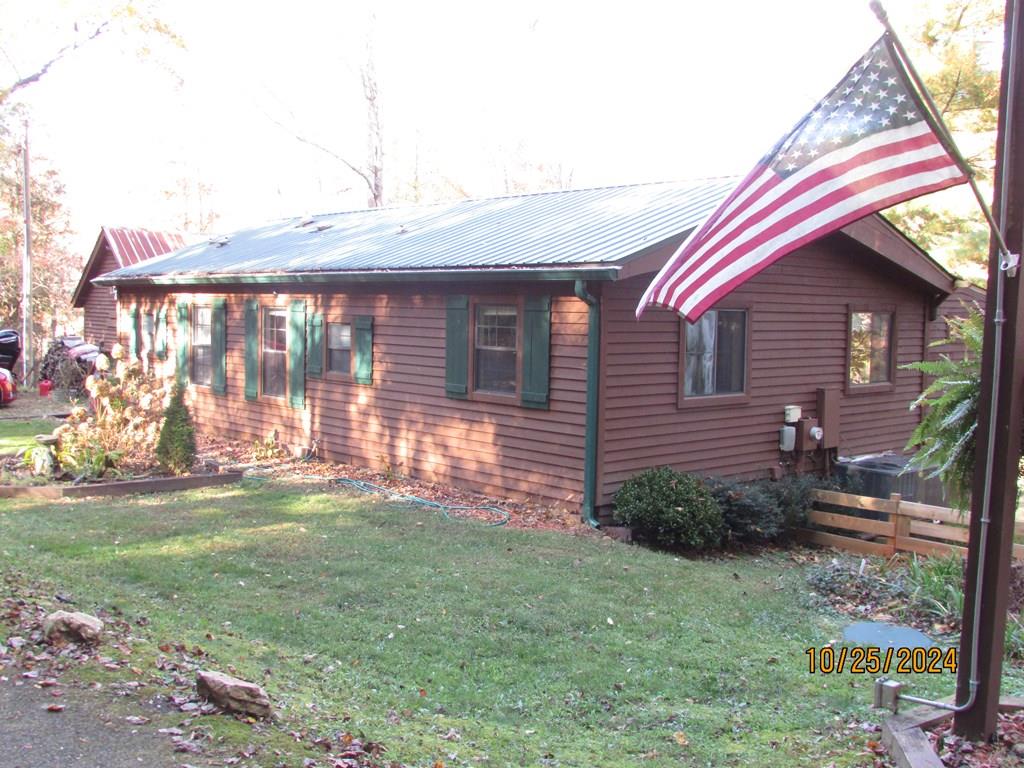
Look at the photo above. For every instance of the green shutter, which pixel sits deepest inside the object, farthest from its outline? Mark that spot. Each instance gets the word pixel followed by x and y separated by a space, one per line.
pixel 315 346
pixel 362 348
pixel 252 349
pixel 536 351
pixel 183 342
pixel 297 354
pixel 161 333
pixel 456 348
pixel 133 332
pixel 219 346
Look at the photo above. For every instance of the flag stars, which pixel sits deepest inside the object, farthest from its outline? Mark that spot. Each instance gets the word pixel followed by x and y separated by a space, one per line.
pixel 900 98
pixel 865 89
pixel 890 81
pixel 858 102
pixel 910 115
pixel 873 76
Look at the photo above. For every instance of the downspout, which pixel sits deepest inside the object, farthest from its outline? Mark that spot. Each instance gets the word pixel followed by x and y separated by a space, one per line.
pixel 593 379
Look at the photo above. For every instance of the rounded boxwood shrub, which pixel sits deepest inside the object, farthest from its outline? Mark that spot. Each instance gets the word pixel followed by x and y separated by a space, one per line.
pixel 671 509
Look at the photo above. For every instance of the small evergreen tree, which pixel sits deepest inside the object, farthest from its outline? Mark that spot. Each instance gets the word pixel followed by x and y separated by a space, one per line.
pixel 176 449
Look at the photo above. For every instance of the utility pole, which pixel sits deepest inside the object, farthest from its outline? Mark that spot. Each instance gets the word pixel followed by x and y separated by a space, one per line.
pixel 994 488
pixel 28 356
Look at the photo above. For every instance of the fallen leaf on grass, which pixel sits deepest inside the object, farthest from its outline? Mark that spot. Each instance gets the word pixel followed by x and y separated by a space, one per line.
pixel 137 719
pixel 55 708
pixel 680 738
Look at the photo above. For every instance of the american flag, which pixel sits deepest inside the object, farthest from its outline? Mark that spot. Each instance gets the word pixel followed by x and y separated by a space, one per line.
pixel 869 144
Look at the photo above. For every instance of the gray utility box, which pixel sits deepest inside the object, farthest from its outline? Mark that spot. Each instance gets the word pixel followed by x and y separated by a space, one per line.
pixel 882 474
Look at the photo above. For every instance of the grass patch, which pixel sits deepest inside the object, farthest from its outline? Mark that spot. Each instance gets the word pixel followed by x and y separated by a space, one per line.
pixel 536 648
pixel 16 434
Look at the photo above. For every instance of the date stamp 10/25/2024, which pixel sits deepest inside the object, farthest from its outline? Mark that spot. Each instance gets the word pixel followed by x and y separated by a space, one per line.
pixel 873 660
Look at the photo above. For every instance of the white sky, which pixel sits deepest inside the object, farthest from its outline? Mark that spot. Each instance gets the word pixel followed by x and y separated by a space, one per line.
pixel 614 92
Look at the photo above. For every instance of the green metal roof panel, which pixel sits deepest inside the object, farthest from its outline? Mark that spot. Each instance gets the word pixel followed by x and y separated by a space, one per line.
pixel 560 230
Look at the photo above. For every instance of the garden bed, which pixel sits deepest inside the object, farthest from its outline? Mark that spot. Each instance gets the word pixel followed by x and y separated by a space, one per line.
pixel 118 487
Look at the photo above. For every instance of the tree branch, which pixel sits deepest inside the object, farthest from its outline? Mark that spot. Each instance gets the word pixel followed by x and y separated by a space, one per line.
pixel 38 74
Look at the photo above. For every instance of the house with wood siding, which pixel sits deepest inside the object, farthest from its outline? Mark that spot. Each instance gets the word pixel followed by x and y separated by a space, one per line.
pixel 492 344
pixel 116 247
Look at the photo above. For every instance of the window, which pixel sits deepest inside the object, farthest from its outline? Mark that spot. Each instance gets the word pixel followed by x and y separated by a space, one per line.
pixel 275 349
pixel 494 348
pixel 870 347
pixel 202 341
pixel 339 348
pixel 148 335
pixel 715 354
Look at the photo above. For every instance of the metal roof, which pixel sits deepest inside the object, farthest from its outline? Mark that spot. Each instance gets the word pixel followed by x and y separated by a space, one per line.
pixel 129 246
pixel 566 230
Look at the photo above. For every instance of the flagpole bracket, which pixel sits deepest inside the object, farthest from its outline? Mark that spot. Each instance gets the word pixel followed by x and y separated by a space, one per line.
pixel 1009 263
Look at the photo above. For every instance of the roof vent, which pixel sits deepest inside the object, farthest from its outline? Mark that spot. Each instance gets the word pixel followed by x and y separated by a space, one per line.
pixel 305 221
pixel 220 242
pixel 322 227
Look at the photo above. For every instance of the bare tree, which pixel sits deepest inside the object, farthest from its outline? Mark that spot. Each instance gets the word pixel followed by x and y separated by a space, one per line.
pixel 372 173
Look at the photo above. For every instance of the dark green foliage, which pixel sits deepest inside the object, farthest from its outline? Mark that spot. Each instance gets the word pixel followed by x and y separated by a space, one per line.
pixel 751 513
pixel 944 440
pixel 176 449
pixel 792 494
pixel 671 509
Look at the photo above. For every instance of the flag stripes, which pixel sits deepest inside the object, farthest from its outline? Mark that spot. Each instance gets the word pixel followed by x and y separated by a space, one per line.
pixel 774 211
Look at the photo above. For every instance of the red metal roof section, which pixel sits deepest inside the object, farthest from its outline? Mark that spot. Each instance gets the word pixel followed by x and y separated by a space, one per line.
pixel 130 246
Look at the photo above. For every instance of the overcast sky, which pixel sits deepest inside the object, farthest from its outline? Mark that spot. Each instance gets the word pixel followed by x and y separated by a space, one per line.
pixel 610 92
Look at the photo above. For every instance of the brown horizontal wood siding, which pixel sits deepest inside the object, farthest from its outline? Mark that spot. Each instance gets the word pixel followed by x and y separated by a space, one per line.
pixel 99 305
pixel 404 420
pixel 956 305
pixel 798 342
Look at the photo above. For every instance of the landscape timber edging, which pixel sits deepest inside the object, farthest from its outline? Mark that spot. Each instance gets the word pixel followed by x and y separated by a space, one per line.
pixel 907 742
pixel 118 488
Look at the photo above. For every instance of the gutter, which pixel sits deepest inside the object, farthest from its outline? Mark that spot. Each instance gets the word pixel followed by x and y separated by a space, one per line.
pixel 593 379
pixel 363 276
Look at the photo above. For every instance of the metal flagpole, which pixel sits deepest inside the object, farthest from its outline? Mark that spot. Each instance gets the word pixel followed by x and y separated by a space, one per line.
pixel 985 610
pixel 27 358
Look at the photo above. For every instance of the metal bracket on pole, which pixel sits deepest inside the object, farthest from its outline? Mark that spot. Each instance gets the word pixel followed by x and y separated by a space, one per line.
pixel 1009 263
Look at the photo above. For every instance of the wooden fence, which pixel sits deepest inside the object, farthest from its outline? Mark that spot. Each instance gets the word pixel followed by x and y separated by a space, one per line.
pixel 902 526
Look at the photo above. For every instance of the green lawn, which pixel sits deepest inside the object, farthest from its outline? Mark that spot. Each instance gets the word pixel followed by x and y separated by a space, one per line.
pixel 16 434
pixel 537 648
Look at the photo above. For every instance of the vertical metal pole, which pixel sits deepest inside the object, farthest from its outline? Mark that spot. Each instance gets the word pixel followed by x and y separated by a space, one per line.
pixel 28 352
pixel 1000 412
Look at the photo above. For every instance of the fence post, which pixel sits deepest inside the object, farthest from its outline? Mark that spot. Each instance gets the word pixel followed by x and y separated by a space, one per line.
pixel 901 523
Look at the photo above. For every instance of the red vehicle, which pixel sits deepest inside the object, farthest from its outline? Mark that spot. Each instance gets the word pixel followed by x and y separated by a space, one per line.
pixel 8 389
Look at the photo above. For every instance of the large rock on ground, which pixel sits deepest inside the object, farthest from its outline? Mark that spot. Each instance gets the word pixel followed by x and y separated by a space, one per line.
pixel 233 694
pixel 72 626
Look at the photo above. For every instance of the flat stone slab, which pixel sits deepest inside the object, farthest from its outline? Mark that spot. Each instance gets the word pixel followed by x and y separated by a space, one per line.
pixel 883 635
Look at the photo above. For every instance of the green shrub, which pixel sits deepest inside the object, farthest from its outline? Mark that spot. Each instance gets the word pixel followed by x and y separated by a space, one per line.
pixel 937 586
pixel 792 494
pixel 671 509
pixel 751 513
pixel 176 449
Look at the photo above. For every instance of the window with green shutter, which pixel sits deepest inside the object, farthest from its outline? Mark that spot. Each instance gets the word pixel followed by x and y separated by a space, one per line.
pixel 297 354
pixel 182 338
pixel 456 347
pixel 252 349
pixel 315 345
pixel 160 341
pixel 133 332
pixel 536 351
pixel 363 350
pixel 219 347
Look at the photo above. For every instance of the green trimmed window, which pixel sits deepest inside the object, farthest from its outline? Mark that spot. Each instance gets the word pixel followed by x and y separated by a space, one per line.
pixel 339 348
pixel 202 345
pixel 496 330
pixel 275 352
